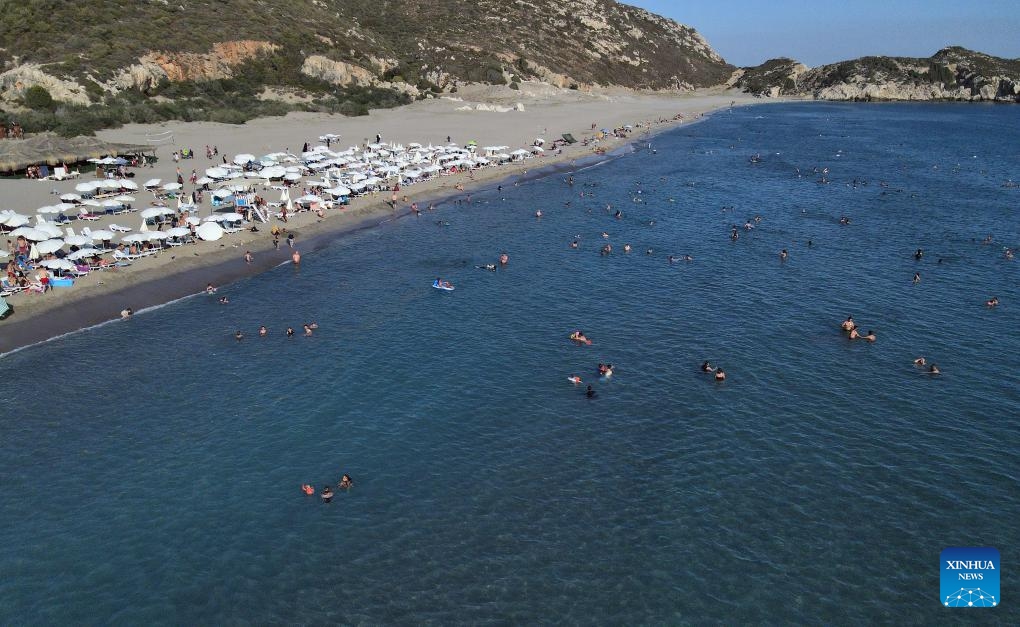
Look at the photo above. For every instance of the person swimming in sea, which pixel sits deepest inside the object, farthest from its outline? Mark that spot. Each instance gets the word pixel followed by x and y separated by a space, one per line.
pixel 290 331
pixel 917 278
pixel 224 300
pixel 574 244
pixel 308 330
pixel 918 254
pixel 933 369
pixel 326 494
pixel 783 255
pixel 707 367
pixel 854 334
pixel 263 331
pixel 346 483
pixel 919 361
pixel 238 336
pixel 869 337
pixel 210 289
pixel 849 324
pixel 578 336
pixel 720 375
pixel 590 393
pixel 992 302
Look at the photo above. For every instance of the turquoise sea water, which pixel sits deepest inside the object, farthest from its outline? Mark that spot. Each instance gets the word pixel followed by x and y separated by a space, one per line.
pixel 150 469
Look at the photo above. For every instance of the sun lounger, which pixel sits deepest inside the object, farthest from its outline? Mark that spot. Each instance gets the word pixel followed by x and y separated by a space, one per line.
pixel 91 217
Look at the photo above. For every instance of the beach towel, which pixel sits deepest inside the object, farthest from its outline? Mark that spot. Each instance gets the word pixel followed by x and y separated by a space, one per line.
pixel 567 137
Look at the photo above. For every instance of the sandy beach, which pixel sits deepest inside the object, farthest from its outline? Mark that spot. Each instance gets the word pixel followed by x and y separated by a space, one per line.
pixel 547 112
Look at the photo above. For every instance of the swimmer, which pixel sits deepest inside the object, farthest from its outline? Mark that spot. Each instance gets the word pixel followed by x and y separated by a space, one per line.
pixel 783 255
pixel 263 331
pixel 346 483
pixel 326 494
pixel 538 214
pixel 605 235
pixel 210 289
pixel 590 393
pixel 308 330
pixel 290 331
pixel 688 258
pixel 854 334
pixel 574 244
pixel 992 302
pixel 849 324
pixel 707 367
pixel 491 267
pixel 917 278
pixel 608 371
pixel 626 248
pixel 238 336
pixel 313 325
pixel 918 254
pixel 574 379
pixel 720 375
pixel 308 490
pixel 126 313
pixel 671 259
pixel 870 336
pixel 602 368
pixel 649 251
pixel 224 300
pixel 295 257
pixel 919 361
pixel 933 369
pixel 504 259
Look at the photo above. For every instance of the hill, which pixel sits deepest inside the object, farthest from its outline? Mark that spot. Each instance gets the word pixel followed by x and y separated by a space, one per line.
pixel 79 66
pixel 952 73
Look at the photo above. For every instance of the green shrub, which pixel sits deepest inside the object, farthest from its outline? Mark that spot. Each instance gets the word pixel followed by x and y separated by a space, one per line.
pixel 38 98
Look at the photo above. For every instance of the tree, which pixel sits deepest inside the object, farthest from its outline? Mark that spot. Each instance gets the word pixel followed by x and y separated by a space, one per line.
pixel 38 98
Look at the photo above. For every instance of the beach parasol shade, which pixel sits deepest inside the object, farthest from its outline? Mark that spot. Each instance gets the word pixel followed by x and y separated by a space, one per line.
pixel 89 186
pixel 112 202
pixel 135 237
pixel 57 264
pixel 172 186
pixel 155 212
pixel 194 220
pixel 30 233
pixel 46 247
pixel 81 253
pixel 209 231
pixel 243 158
pixel 102 235
pixel 205 180
pixel 77 240
pixel 178 231
pixel 128 184
pixel 51 230
pixel 124 198
pixel 70 197
pixel 152 183
pixel 48 209
pixel 91 203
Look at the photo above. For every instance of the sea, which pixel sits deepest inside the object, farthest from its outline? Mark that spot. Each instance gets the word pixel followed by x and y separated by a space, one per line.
pixel 151 468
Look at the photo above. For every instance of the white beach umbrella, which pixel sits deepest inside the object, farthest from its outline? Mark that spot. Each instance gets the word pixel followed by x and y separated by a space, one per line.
pixel 48 209
pixel 128 184
pixel 309 198
pixel 339 191
pixel 243 158
pixel 4 254
pixel 152 183
pixel 91 203
pixel 51 230
pixel 77 240
pixel 157 235
pixel 82 253
pixel 70 197
pixel 194 220
pixel 135 237
pixel 57 264
pixel 112 202
pixel 217 173
pixel 14 220
pixel 172 186
pixel 209 231
pixel 124 198
pixel 32 234
pixel 205 180
pixel 88 186
pixel 110 184
pixel 292 176
pixel 101 235
pixel 46 247
pixel 222 193
pixel 155 212
pixel 178 231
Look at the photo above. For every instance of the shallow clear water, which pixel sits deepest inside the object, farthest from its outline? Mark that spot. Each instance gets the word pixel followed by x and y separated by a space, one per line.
pixel 149 469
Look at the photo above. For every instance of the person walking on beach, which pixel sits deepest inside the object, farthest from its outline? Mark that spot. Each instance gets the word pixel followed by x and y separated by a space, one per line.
pixel 290 240
pixel 248 257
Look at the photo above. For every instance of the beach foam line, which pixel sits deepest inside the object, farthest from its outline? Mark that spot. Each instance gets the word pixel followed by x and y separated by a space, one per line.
pixel 101 324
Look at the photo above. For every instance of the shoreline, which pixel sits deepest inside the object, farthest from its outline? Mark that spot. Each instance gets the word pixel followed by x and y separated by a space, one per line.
pixel 99 302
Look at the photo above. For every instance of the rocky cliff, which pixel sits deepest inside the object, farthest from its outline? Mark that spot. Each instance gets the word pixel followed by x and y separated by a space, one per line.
pixel 950 74
pixel 418 46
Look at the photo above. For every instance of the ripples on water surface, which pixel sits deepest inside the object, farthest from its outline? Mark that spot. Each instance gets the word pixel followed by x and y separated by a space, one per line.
pixel 150 469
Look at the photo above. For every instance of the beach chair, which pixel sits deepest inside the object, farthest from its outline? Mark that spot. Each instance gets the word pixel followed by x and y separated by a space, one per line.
pixel 90 217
